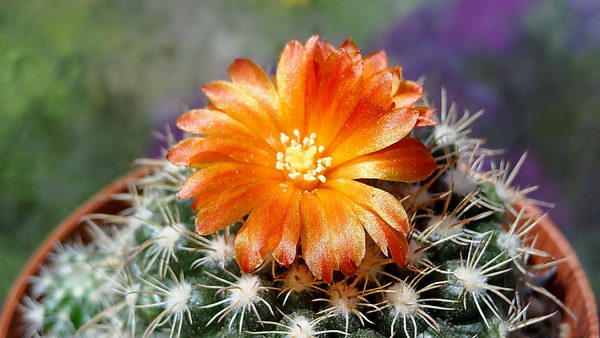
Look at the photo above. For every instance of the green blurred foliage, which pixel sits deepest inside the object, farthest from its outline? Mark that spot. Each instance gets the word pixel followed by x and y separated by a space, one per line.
pixel 65 130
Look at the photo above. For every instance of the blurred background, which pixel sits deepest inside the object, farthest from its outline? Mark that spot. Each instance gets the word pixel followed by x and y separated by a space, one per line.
pixel 84 83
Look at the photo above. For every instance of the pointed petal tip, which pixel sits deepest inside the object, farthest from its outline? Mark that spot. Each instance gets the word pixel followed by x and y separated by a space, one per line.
pixel 247 262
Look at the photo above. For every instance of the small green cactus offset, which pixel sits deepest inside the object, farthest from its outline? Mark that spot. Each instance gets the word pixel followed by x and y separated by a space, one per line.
pixel 358 214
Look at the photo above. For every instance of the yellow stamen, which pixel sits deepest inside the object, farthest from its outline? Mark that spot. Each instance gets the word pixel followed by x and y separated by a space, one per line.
pixel 301 159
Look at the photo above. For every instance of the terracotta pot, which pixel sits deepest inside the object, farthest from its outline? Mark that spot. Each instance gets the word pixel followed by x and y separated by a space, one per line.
pixel 570 284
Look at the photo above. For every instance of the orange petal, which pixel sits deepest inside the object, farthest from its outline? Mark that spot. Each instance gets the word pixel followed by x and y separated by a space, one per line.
pixel 286 251
pixel 236 102
pixel 405 161
pixel 183 151
pixel 227 174
pixel 346 233
pixel 375 100
pixel 407 94
pixel 262 231
pixel 396 77
pixel 424 119
pixel 349 46
pixel 216 211
pixel 322 50
pixel 209 122
pixel 374 63
pixel 373 200
pixel 407 99
pixel 291 82
pixel 339 89
pixel 198 152
pixel 315 241
pixel 256 82
pixel 388 239
pixel 375 134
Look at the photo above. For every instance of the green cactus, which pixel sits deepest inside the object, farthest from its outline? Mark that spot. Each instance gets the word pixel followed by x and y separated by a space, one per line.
pixel 147 274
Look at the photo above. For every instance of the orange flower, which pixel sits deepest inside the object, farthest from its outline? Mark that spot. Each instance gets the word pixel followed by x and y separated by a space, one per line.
pixel 288 153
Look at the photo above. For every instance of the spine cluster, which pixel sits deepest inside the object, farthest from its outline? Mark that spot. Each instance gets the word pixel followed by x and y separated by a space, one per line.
pixel 468 273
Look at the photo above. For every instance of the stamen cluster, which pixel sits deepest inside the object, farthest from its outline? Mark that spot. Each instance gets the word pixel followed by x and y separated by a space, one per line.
pixel 301 159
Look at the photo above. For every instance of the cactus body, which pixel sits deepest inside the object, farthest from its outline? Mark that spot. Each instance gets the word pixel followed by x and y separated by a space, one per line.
pixel 147 273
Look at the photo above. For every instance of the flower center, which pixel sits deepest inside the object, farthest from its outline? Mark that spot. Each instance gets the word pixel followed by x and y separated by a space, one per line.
pixel 302 160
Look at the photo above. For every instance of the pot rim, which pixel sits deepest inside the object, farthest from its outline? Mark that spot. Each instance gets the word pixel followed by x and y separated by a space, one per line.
pixel 551 240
